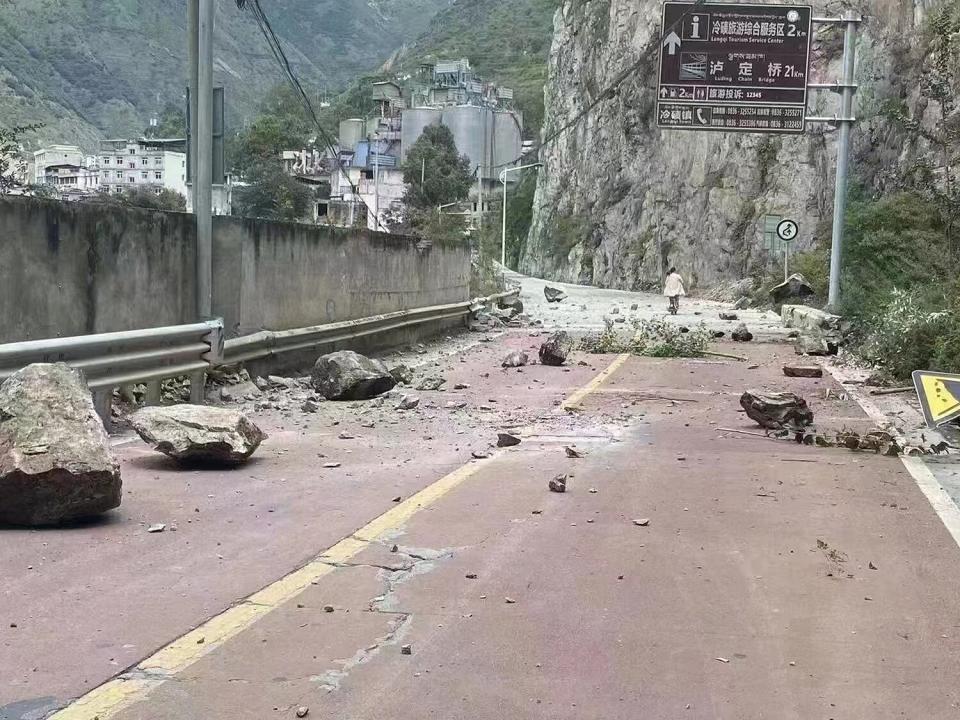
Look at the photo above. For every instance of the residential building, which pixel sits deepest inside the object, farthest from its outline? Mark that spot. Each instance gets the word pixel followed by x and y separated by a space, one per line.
pixel 72 179
pixel 152 164
pixel 55 155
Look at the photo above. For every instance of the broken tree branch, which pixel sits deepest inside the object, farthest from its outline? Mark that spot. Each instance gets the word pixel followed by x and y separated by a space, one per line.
pixel 892 391
pixel 723 355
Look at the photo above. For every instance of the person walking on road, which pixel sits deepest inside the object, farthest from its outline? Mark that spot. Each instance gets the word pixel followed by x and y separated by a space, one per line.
pixel 673 289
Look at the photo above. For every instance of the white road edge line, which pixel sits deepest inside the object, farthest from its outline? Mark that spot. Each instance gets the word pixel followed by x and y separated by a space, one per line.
pixel 939 499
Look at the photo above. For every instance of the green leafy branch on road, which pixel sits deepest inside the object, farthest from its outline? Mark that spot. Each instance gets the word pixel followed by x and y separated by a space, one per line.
pixel 651 338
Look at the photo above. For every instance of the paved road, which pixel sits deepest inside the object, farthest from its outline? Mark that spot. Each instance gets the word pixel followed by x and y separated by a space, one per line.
pixel 772 581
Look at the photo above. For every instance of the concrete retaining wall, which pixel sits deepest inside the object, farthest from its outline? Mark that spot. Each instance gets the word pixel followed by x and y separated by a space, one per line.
pixel 73 269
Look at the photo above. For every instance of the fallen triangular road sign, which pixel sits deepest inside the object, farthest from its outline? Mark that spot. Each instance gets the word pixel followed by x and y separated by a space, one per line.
pixel 939 395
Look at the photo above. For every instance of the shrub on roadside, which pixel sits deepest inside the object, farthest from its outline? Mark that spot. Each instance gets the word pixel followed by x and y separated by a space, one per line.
pixel 904 335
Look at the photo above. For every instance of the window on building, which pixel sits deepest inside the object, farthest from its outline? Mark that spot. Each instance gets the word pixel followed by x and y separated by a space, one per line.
pixel 144 161
pixel 158 175
pixel 131 179
pixel 158 162
pixel 158 191
pixel 133 151
pixel 143 176
pixel 132 166
pixel 106 160
pixel 770 239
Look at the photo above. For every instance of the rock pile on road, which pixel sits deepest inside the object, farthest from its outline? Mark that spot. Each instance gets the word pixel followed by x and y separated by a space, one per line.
pixel 197 433
pixel 55 459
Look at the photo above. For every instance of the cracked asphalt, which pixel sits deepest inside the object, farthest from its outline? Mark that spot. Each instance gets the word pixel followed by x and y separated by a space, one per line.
pixel 771 581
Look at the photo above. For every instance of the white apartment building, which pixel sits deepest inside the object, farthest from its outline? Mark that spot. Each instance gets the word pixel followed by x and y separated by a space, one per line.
pixel 143 164
pixel 387 197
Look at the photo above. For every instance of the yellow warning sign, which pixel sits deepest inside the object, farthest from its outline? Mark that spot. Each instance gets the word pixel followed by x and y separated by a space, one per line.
pixel 939 395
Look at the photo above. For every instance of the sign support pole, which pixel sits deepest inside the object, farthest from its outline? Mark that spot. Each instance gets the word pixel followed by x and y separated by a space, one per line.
pixel 845 121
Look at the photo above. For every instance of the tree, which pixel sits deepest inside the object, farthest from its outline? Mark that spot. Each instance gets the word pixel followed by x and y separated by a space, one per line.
pixel 446 174
pixel 272 194
pixel 11 168
pixel 281 125
pixel 167 199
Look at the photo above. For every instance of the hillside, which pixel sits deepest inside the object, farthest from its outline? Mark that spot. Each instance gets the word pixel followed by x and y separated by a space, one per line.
pixel 507 41
pixel 89 68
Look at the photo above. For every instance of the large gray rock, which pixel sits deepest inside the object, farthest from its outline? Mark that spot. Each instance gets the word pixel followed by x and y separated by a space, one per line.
pixel 55 459
pixel 776 411
pixel 512 305
pixel 347 375
pixel 556 349
pixel 554 295
pixel 795 286
pixel 196 433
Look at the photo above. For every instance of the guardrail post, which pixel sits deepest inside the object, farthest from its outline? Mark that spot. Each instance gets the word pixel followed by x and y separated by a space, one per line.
pixel 103 404
pixel 153 393
pixel 198 382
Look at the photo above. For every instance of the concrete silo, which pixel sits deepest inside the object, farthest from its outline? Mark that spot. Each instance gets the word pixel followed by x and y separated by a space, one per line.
pixel 351 132
pixel 414 122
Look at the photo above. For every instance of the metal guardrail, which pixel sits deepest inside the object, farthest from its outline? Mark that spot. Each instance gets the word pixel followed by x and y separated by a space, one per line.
pixel 110 360
pixel 113 359
pixel 269 343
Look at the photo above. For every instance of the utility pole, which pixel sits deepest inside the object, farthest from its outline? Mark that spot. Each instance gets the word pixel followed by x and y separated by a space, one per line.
pixel 480 196
pixel 203 176
pixel 846 120
pixel 376 183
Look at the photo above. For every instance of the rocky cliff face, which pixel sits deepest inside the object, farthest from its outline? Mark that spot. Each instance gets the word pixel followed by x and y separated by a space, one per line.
pixel 619 200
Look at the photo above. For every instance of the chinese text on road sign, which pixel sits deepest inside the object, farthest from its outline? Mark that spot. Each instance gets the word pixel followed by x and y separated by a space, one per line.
pixel 734 67
pixel 939 395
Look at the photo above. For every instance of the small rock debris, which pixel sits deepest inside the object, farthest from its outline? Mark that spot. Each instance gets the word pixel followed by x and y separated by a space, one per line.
pixel 509 601
pixel 572 452
pixel 157 528
pixel 328 608
pixel 641 522
pixel 303 711
pixel 558 484
pixel 505 440
pixel 406 650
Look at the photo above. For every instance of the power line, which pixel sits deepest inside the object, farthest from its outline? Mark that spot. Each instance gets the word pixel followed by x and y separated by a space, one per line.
pixel 276 49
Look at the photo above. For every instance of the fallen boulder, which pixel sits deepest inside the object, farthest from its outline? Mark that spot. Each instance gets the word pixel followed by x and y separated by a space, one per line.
pixel 776 411
pixel 408 402
pixel 554 295
pixel 795 286
pixel 814 344
pixel 556 349
pixel 402 374
pixel 196 433
pixel 729 316
pixel 505 440
pixel 347 375
pixel 742 303
pixel 511 305
pixel 558 484
pixel 741 333
pixel 803 371
pixel 517 358
pixel 55 459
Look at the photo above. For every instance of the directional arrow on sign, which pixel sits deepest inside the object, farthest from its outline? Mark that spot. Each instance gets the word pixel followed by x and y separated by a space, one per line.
pixel 671 43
